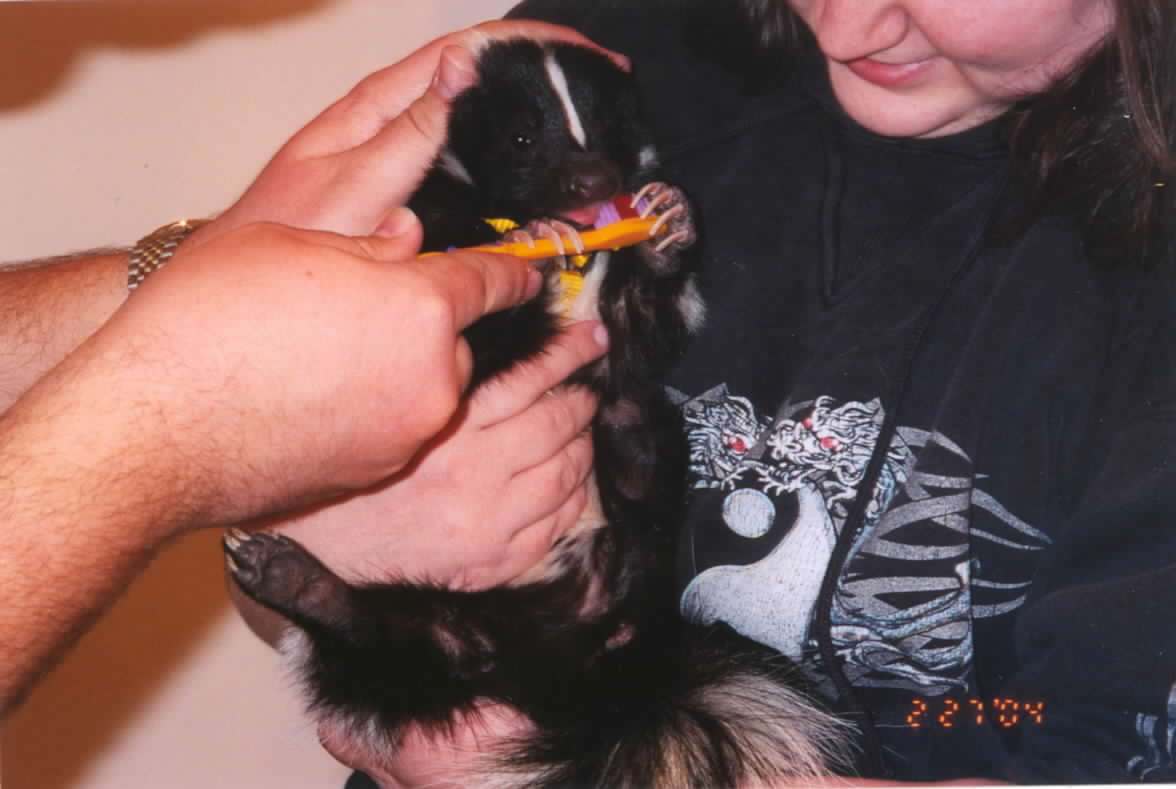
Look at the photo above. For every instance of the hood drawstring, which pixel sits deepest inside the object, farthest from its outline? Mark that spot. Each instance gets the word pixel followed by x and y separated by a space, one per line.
pixel 822 626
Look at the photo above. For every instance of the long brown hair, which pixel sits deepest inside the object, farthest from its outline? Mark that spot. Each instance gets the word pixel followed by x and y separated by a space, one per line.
pixel 1099 145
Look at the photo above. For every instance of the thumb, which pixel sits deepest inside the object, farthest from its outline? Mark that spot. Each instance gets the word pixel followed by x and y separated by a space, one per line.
pixel 397 238
pixel 403 228
pixel 401 153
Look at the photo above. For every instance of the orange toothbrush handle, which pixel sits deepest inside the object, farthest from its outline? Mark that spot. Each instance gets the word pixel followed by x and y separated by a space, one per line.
pixel 619 234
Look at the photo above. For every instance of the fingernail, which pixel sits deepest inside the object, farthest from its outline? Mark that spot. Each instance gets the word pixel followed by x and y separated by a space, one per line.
pixel 455 72
pixel 600 334
pixel 534 282
pixel 398 222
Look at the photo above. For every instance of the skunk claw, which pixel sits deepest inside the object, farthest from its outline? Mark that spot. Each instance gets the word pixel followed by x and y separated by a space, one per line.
pixel 642 193
pixel 666 217
pixel 566 232
pixel 520 237
pixel 658 200
pixel 680 236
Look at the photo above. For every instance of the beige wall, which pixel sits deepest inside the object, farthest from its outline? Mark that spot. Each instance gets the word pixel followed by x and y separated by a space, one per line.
pixel 115 118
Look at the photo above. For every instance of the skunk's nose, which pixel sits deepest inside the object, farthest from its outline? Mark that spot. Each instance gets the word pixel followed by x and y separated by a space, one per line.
pixel 591 182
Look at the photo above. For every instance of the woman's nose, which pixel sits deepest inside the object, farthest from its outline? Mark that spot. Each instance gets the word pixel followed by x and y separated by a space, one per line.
pixel 850 29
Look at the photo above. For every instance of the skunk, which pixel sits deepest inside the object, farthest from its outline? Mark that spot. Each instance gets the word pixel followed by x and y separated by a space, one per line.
pixel 589 645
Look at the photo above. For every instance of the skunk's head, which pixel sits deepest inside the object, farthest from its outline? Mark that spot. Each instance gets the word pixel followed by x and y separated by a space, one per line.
pixel 549 130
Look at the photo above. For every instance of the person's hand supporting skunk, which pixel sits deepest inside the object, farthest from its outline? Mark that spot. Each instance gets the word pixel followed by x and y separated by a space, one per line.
pixel 271 369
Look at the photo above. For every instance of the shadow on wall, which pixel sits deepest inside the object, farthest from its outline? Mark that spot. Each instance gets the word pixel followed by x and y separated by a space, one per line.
pixel 117 667
pixel 43 40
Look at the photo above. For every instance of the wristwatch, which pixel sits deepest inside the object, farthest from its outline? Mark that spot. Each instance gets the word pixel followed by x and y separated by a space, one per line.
pixel 157 247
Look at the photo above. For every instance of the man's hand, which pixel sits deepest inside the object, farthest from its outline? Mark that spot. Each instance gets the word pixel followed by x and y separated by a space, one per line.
pixel 357 162
pixel 288 366
pixel 484 500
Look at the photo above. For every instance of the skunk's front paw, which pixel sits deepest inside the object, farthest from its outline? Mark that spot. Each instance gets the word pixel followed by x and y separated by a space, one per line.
pixel 279 573
pixel 674 228
pixel 564 236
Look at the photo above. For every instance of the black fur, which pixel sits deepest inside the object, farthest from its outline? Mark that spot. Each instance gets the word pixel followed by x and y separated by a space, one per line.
pixel 621 690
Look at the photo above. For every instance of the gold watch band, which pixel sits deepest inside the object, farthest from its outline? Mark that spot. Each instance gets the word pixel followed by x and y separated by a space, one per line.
pixel 156 248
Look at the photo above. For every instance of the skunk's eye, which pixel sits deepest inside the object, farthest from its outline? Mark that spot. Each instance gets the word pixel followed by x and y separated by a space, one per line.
pixel 522 142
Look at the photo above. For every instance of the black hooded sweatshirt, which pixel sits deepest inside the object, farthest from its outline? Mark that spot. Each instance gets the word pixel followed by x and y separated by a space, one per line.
pixel 934 469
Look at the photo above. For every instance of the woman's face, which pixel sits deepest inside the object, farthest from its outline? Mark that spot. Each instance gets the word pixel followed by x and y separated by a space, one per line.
pixel 926 68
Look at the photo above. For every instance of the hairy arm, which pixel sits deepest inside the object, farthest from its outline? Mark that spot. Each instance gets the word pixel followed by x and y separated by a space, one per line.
pixel 77 524
pixel 48 308
pixel 167 419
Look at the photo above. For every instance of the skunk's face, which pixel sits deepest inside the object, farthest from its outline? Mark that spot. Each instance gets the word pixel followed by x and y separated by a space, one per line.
pixel 548 131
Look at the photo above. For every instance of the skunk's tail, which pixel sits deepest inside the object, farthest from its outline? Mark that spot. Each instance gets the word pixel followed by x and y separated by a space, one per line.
pixel 697 707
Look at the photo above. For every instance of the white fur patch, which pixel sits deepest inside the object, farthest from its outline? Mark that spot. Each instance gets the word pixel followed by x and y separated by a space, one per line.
pixel 559 83
pixel 572 547
pixel 449 162
pixel 647 157
pixel 692 307
pixel 364 739
pixel 774 726
pixel 294 646
pixel 586 307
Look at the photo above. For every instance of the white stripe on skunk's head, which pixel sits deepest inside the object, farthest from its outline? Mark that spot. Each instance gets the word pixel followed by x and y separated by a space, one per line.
pixel 647 157
pixel 559 83
pixel 447 160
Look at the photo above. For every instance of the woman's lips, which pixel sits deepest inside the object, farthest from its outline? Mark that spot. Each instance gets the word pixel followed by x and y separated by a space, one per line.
pixel 889 75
